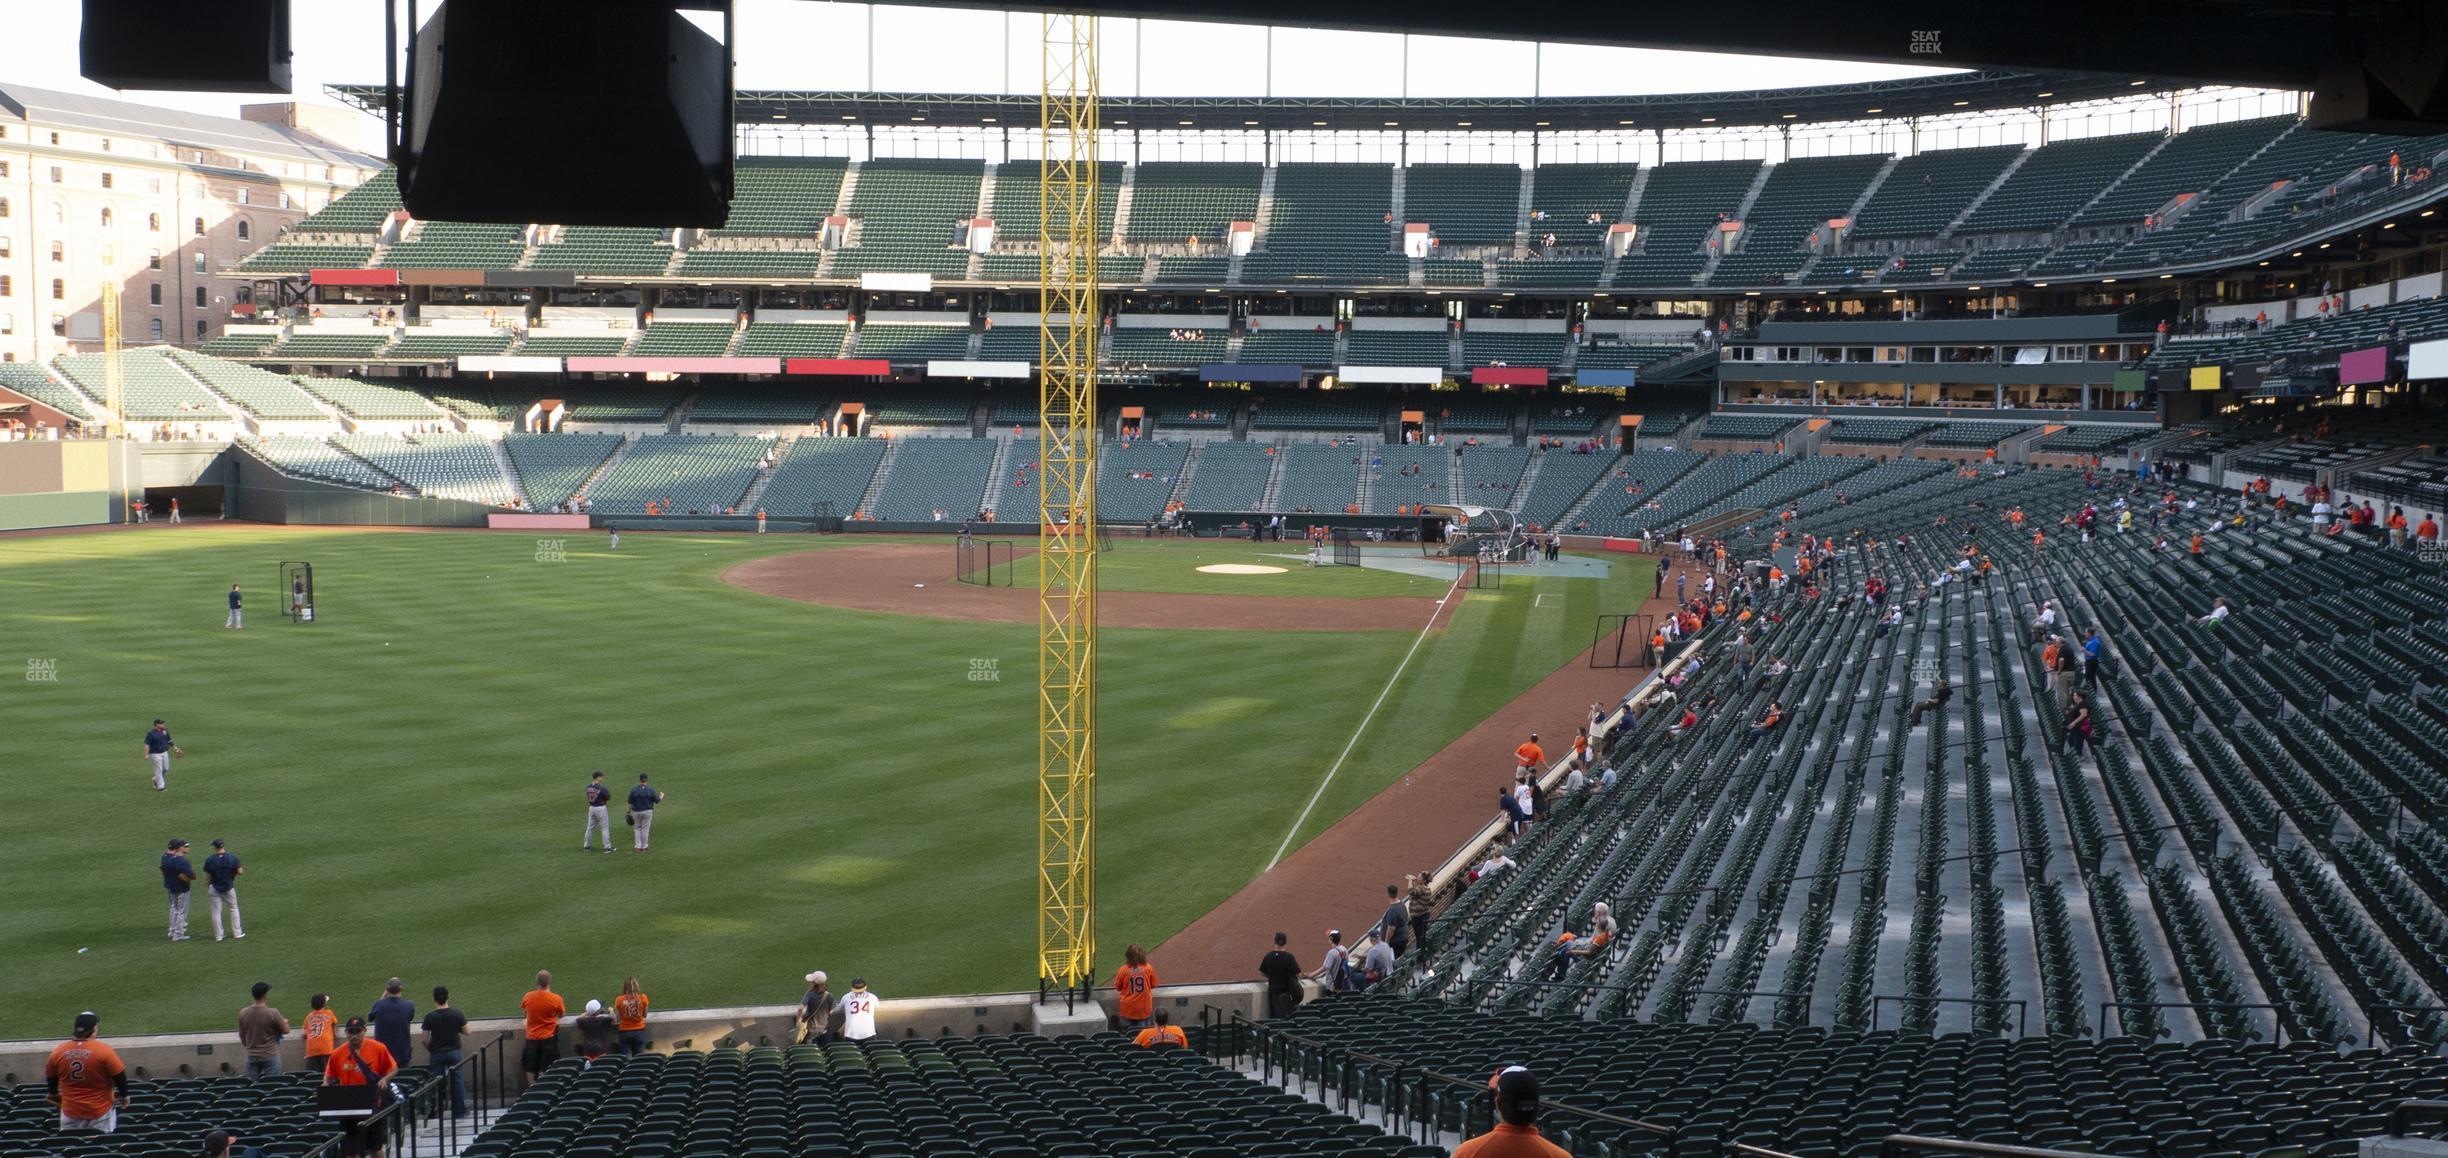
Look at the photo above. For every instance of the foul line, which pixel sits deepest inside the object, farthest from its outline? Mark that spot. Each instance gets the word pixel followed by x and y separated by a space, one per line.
pixel 1451 593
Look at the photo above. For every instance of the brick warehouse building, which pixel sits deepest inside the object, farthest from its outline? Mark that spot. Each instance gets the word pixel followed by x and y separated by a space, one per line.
pixel 94 190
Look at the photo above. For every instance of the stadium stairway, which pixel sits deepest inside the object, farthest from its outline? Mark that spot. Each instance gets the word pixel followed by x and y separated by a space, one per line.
pixel 884 469
pixel 1995 183
pixel 605 467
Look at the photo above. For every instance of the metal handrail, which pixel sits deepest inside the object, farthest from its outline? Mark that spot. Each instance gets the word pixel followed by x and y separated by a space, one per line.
pixel 2278 1013
pixel 2022 1007
pixel 1897 1145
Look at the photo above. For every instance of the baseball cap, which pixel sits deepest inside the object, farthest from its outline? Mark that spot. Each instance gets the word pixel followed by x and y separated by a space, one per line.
pixel 355 1025
pixel 177 843
pixel 1517 1094
pixel 218 842
pixel 157 719
pixel 816 978
pixel 85 1023
pixel 858 983
pixel 594 1006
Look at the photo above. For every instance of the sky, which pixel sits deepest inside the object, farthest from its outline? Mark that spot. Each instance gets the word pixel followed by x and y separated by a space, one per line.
pixel 803 44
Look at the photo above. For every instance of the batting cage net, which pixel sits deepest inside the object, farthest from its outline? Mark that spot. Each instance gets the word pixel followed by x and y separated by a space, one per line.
pixel 1346 553
pixel 298 591
pixel 1486 570
pixel 983 562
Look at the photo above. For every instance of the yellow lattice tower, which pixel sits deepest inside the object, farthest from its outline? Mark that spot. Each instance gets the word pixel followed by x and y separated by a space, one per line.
pixel 1067 556
pixel 114 425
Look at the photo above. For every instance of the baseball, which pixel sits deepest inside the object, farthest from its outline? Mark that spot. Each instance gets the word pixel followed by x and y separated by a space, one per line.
pixel 917 584
pixel 82 948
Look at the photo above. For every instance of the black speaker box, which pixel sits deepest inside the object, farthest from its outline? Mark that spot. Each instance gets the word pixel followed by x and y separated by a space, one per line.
pixel 567 112
pixel 186 45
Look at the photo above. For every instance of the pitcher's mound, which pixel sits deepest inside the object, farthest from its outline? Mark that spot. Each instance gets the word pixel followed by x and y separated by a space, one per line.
pixel 1240 569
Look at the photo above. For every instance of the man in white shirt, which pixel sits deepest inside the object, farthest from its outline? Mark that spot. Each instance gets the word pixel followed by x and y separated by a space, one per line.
pixel 2218 614
pixel 2320 513
pixel 1496 862
pixel 2044 624
pixel 857 1015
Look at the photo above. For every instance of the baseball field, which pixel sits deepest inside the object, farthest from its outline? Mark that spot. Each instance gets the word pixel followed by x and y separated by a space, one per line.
pixel 849 789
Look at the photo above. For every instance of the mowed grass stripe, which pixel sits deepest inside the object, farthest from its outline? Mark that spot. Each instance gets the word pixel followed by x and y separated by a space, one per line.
pixel 844 795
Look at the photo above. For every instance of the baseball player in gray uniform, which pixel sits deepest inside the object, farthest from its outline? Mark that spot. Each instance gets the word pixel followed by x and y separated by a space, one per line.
pixel 599 814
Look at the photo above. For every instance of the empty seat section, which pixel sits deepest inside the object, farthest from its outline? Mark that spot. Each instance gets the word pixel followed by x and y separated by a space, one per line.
pixel 684 339
pixel 551 467
pixel 2188 163
pixel 169 1117
pixel 1230 476
pixel 935 474
pixel 1398 348
pixel 608 344
pixel 1016 211
pixel 1800 196
pixel 794 339
pixel 1329 226
pixel 1680 207
pixel 1173 201
pixel 425 342
pixel 831 473
pixel 1928 190
pixel 607 402
pixel 370 399
pixel 456 245
pixel 260 393
pixel 680 473
pixel 316 459
pixel 907 213
pixel 1544 350
pixel 152 388
pixel 1325 479
pixel 1746 427
pixel 607 250
pixel 757 405
pixel 921 407
pixel 1135 477
pixel 1165 346
pixel 1463 205
pixel 1562 198
pixel 448 466
pixel 2058 178
pixel 1289 341
pixel 1407 476
pixel 913 343
pixel 1318 411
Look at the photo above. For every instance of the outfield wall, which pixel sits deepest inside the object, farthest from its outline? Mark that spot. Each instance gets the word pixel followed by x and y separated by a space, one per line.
pixel 157 1056
pixel 69 483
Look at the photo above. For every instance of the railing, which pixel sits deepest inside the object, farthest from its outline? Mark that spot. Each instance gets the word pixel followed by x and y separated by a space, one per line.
pixel 2371 1031
pixel 2022 1007
pixel 1898 1145
pixel 2277 1013
pixel 424 1115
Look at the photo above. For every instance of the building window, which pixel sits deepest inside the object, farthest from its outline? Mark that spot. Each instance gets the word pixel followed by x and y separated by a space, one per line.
pixel 106 144
pixel 8 323
pixel 55 138
pixel 153 260
pixel 7 287
pixel 59 325
pixel 59 214
pixel 6 246
pixel 199 327
pixel 199 227
pixel 59 289
pixel 157 331
pixel 152 184
pixel 109 255
pixel 106 180
pixel 199 263
pixel 243 295
pixel 201 297
pixel 106 217
pixel 242 195
pixel 153 292
pixel 153 222
pixel 246 232
pixel 4 168
pixel 284 198
pixel 59 252
pixel 3 206
pixel 57 176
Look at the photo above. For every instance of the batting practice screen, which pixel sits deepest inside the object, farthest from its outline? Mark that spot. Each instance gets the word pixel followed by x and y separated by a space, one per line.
pixel 983 562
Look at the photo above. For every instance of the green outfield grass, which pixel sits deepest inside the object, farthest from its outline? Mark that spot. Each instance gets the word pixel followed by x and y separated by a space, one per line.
pixel 403 778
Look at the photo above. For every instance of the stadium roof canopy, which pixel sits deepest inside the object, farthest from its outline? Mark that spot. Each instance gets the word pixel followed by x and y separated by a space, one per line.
pixel 1952 93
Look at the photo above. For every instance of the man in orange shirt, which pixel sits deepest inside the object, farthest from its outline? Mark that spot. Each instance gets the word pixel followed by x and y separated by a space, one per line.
pixel 86 1079
pixel 1135 981
pixel 1529 755
pixel 2426 533
pixel 544 1010
pixel 360 1061
pixel 1768 722
pixel 1516 1134
pixel 1162 1032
